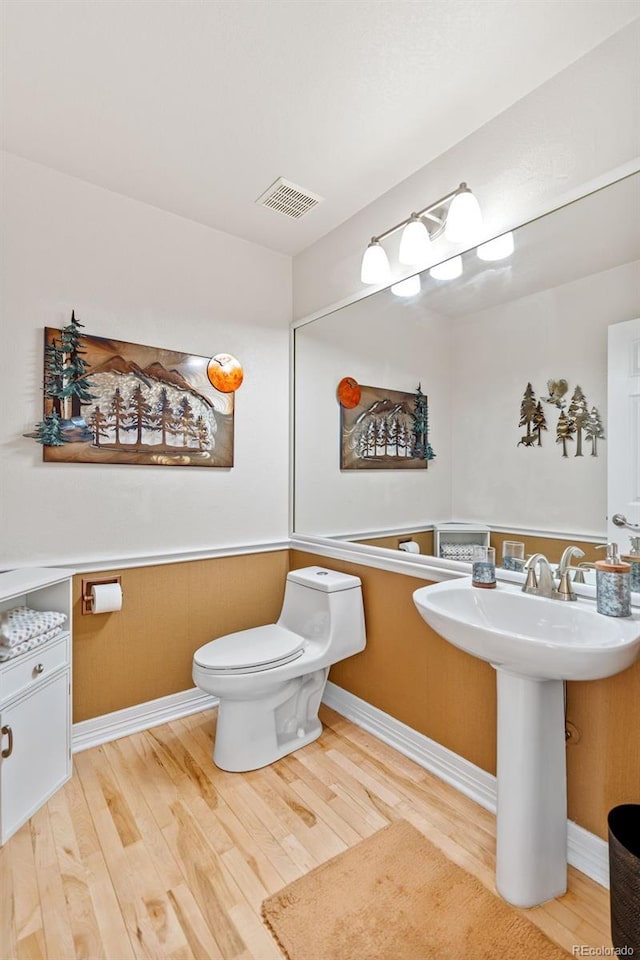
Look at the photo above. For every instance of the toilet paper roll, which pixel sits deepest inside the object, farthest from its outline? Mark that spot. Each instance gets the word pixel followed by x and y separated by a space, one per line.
pixel 106 597
pixel 409 546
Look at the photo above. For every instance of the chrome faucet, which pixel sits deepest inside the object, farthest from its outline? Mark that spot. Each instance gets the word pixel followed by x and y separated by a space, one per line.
pixel 541 585
pixel 565 590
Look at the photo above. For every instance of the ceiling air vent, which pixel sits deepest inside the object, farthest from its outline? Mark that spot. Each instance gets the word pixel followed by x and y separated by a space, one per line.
pixel 288 198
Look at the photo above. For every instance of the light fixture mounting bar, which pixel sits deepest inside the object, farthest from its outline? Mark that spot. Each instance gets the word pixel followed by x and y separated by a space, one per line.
pixel 420 213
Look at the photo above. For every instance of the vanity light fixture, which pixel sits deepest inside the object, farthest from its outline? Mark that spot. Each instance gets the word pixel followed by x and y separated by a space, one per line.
pixel 447 270
pixel 407 288
pixel 464 219
pixel 415 243
pixel 457 216
pixel 375 264
pixel 497 249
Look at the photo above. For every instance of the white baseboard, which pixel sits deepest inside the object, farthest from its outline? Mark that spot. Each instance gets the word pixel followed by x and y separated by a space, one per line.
pixel 585 851
pixel 121 723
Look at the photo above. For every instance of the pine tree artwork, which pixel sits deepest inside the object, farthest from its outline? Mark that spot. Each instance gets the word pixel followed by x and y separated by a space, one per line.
pixel 539 422
pixel 579 413
pixel 110 401
pixel 118 412
pixel 139 414
pixel 49 431
pixel 97 422
pixel 387 429
pixel 421 446
pixel 593 430
pixel 53 375
pixel 75 389
pixel 528 409
pixel 564 431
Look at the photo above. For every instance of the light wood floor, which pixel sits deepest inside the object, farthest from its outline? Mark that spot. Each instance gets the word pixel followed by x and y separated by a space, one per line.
pixel 150 851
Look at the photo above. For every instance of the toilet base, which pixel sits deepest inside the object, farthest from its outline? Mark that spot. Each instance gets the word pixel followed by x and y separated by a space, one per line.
pixel 254 733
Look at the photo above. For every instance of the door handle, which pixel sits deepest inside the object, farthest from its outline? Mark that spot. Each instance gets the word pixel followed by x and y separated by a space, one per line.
pixel 621 521
pixel 9 750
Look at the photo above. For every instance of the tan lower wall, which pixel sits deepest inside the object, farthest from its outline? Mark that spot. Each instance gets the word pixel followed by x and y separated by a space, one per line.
pixel 408 671
pixel 145 650
pixel 552 547
pixel 424 539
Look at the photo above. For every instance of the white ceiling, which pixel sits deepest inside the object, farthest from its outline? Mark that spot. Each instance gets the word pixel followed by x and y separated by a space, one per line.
pixel 196 106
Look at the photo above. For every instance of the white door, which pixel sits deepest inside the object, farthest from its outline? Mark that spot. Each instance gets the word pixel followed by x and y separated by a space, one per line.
pixel 623 458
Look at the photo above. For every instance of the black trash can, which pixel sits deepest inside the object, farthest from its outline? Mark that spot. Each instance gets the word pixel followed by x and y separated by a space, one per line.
pixel 624 876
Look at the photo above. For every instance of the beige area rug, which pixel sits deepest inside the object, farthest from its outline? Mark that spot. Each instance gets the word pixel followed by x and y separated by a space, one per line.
pixel 395 896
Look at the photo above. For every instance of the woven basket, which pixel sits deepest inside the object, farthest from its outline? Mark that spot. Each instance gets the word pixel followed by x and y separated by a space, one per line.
pixel 624 871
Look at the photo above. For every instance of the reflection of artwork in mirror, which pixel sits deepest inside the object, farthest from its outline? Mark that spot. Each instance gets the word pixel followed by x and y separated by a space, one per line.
pixel 388 429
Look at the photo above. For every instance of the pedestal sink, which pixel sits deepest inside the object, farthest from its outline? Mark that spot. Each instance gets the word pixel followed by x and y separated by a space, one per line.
pixel 534 643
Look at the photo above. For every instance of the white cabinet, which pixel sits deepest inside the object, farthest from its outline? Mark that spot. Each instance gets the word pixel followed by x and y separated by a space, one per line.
pixel 35 702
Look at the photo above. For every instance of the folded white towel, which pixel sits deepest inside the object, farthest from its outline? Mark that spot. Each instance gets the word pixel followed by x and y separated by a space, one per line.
pixel 21 624
pixel 8 653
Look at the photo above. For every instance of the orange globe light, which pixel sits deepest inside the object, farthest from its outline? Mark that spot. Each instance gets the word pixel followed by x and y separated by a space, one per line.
pixel 225 373
pixel 349 393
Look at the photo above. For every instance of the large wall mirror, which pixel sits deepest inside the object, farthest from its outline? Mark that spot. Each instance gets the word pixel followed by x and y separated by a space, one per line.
pixel 474 343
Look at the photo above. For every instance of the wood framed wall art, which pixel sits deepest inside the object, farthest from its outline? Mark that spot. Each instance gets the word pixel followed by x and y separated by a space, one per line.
pixel 110 401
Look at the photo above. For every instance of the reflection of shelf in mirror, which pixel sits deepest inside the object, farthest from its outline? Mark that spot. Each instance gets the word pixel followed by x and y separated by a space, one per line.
pixel 455 541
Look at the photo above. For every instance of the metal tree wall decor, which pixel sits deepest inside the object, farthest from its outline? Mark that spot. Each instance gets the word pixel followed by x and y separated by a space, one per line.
pixel 109 401
pixel 565 431
pixel 579 414
pixel 594 430
pixel 577 423
pixel 532 417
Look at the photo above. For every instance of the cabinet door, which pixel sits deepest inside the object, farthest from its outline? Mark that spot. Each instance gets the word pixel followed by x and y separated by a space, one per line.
pixel 39 762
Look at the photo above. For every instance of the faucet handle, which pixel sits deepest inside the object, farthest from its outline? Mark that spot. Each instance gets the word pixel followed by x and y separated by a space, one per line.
pixel 531 583
pixel 565 589
pixel 565 559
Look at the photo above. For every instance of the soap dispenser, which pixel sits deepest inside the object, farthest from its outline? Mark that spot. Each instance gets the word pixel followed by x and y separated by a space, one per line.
pixel 633 559
pixel 613 584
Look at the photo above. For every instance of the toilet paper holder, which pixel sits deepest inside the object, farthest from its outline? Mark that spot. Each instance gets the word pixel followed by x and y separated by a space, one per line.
pixel 87 599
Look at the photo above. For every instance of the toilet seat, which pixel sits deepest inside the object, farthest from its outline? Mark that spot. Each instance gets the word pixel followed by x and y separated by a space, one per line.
pixel 250 651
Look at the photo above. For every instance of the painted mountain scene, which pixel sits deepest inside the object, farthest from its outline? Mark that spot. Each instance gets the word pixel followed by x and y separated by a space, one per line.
pixel 108 401
pixel 388 429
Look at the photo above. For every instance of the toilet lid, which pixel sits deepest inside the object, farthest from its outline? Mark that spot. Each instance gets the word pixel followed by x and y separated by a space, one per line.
pixel 249 650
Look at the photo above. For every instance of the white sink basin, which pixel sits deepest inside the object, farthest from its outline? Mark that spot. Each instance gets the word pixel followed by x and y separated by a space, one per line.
pixel 529 635
pixel 534 644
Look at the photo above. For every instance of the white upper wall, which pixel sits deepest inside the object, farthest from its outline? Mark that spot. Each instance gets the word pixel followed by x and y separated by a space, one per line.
pixel 570 132
pixel 555 333
pixel 136 273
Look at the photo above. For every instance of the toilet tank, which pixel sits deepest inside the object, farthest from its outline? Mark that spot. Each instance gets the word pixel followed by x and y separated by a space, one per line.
pixel 325 606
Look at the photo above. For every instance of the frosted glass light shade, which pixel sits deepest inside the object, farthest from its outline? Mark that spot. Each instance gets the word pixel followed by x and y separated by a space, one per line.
pixel 497 249
pixel 448 270
pixel 464 219
pixel 375 265
pixel 414 244
pixel 407 288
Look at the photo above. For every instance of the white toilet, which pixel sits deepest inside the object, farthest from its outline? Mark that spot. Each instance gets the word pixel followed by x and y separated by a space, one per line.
pixel 270 680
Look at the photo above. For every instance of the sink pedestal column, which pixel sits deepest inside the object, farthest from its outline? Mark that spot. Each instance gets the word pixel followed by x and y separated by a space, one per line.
pixel 531 854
